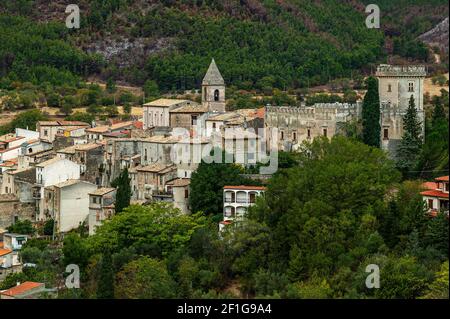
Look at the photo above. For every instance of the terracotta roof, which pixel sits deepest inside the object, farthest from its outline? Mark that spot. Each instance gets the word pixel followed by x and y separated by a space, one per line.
pixel 138 124
pixel 430 185
pixel 9 149
pixel 442 179
pixel 62 123
pixel 244 187
pixel 193 108
pixel 154 168
pixel 22 288
pixel 226 222
pixel 180 182
pixel 102 191
pixel 435 193
pixel 1 245
pixel 4 252
pixel 165 102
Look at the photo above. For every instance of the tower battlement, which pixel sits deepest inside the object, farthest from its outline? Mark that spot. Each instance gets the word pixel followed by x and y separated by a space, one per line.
pixel 401 70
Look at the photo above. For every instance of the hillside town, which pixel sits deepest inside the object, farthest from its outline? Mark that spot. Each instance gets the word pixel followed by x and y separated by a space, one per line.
pixel 63 174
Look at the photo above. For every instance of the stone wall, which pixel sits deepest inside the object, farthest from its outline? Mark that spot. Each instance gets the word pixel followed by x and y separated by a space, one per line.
pixel 11 209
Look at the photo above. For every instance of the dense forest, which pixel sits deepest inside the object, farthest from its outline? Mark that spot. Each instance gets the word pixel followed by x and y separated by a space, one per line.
pixel 287 43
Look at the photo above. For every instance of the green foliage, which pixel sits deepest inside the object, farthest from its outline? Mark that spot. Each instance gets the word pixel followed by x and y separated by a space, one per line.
pixel 23 227
pixel 80 116
pixel 371 114
pixel 105 288
pixel 151 89
pixel 122 183
pixel 439 288
pixel 27 119
pixel 144 278
pixel 155 230
pixel 75 251
pixel 411 144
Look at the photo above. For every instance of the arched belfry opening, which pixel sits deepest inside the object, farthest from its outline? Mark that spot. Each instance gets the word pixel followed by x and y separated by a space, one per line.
pixel 216 95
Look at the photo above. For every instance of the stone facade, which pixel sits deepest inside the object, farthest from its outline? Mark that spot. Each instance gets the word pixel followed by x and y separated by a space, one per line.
pixel 396 85
pixel 298 124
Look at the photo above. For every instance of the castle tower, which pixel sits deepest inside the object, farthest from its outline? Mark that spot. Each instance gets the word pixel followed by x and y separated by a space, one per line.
pixel 396 85
pixel 213 89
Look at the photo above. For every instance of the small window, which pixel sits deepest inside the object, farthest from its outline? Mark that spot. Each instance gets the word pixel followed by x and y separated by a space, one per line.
pixel 94 200
pixel 430 204
pixel 325 132
pixel 282 135
pixel 410 87
pixel 216 95
pixel 294 136
pixel 386 133
pixel 214 125
pixel 194 119
pixel 45 132
pixel 389 88
pixel 186 193
pixel 309 133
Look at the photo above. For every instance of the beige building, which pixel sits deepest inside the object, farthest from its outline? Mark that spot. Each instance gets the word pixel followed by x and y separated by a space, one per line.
pixel 101 207
pixel 396 85
pixel 213 89
pixel 49 129
pixel 156 113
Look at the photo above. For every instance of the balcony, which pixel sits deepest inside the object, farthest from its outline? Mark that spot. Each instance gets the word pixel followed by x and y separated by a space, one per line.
pixel 36 194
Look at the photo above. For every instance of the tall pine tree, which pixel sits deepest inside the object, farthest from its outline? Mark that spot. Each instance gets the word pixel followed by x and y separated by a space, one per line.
pixel 123 195
pixel 411 143
pixel 105 287
pixel 371 114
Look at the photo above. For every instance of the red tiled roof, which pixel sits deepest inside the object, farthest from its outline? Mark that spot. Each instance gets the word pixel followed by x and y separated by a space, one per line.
pixel 243 187
pixel 226 222
pixel 260 112
pixel 138 124
pixel 22 288
pixel 442 179
pixel 430 185
pixel 4 252
pixel 434 193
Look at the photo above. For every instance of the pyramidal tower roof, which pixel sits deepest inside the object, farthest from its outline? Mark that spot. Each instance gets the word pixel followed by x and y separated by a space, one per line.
pixel 213 76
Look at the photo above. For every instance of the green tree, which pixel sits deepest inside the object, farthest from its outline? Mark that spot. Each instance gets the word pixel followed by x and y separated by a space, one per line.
pixel 154 230
pixel 411 144
pixel 122 183
pixel 105 287
pixel 23 227
pixel 144 278
pixel 438 289
pixel 371 114
pixel 207 184
pixel 111 85
pixel 75 251
pixel 151 89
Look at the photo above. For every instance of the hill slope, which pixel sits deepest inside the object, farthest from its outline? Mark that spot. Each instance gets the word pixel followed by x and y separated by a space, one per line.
pixel 276 43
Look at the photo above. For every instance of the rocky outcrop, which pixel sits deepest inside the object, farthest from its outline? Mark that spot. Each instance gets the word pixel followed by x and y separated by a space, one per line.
pixel 438 36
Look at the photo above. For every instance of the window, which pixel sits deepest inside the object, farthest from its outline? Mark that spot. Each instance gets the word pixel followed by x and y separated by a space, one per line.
pixel 145 154
pixel 325 132
pixel 430 204
pixel 216 95
pixel 446 187
pixel 282 135
pixel 386 134
pixel 186 193
pixel 309 133
pixel 45 132
pixel 214 125
pixel 94 200
pixel 30 150
pixel 411 87
pixel 194 119
pixel 6 190
pixel 389 88
pixel 294 136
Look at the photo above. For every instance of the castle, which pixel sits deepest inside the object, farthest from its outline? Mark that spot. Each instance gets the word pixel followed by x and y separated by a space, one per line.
pixel 396 84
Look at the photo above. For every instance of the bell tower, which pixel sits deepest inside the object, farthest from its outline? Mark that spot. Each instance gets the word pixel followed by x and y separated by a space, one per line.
pixel 213 89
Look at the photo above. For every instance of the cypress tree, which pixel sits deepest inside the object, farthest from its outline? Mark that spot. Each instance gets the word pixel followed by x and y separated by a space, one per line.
pixel 371 114
pixel 438 114
pixel 123 195
pixel 411 143
pixel 105 288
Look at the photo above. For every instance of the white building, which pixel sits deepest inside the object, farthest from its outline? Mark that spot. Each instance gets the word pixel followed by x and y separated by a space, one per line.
pixel 52 172
pixel 237 200
pixel 9 253
pixel 68 204
pixel 437 196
